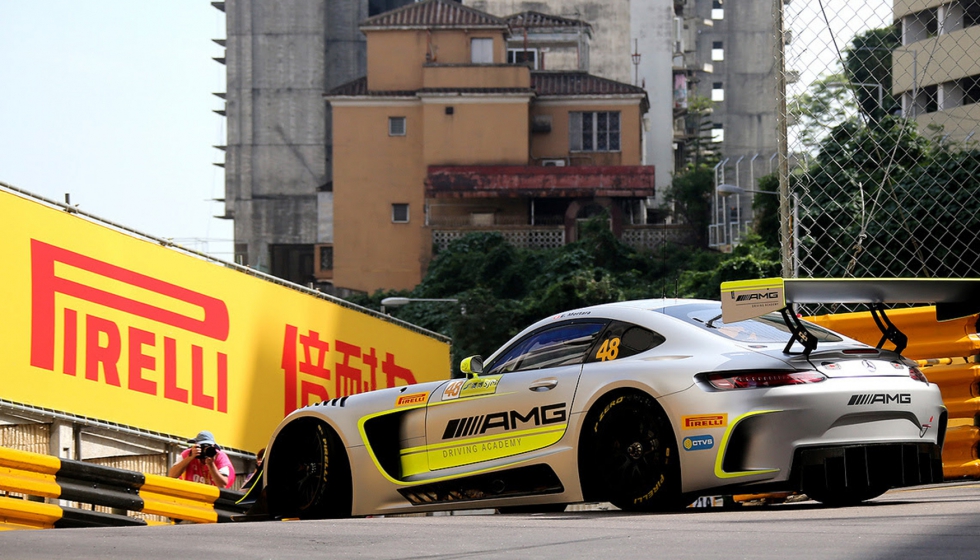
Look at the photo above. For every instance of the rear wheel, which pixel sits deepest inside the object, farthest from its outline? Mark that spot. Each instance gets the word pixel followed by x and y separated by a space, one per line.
pixel 844 498
pixel 628 455
pixel 309 473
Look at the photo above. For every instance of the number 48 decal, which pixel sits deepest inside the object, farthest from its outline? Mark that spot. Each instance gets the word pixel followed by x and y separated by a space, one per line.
pixel 609 350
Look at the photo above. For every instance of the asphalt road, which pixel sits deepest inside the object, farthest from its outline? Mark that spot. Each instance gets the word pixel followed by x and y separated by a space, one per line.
pixel 929 522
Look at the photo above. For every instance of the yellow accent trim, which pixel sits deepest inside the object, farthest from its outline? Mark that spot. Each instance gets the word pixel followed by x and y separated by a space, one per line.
pixel 760 284
pixel 481 439
pixel 724 445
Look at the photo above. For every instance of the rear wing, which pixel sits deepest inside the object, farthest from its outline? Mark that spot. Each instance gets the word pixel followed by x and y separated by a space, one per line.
pixel 746 299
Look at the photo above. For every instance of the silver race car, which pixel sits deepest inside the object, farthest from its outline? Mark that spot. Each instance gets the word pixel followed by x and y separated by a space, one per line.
pixel 645 404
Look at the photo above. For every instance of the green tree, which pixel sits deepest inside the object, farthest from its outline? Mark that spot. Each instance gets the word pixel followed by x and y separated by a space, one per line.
pixel 867 62
pixel 825 104
pixel 689 197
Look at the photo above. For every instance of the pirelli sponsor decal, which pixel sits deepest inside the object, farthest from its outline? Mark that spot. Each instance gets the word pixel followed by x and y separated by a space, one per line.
pixel 413 398
pixel 880 398
pixel 702 421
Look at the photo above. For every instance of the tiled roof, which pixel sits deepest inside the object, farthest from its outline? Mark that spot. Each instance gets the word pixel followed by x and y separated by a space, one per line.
pixel 538 20
pixel 431 14
pixel 543 84
pixel 359 87
pixel 560 83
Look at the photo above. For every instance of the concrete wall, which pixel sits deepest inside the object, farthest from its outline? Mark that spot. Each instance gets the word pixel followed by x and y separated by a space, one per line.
pixel 555 144
pixel 281 58
pixel 370 251
pixel 747 74
pixel 609 55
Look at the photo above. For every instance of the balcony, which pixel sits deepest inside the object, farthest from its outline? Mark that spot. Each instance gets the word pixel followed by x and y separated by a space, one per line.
pixel 517 181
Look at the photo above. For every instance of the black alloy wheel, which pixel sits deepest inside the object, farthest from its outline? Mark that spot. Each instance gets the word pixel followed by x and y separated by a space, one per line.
pixel 309 474
pixel 629 455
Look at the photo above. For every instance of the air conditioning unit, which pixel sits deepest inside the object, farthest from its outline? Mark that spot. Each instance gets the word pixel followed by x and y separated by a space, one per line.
pixel 553 163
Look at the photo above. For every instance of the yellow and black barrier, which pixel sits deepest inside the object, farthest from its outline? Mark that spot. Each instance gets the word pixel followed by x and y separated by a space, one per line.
pixel 44 476
pixel 948 354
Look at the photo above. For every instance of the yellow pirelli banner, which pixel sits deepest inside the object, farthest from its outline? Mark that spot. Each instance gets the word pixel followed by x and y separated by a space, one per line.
pixel 99 323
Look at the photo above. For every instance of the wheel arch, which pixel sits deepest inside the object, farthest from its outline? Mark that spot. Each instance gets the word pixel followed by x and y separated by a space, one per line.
pixel 593 406
pixel 293 433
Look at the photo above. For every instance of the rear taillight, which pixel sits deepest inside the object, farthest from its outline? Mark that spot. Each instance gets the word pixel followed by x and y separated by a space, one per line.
pixel 916 373
pixel 753 380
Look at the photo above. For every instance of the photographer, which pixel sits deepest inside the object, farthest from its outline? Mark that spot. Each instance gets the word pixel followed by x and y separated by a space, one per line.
pixel 204 462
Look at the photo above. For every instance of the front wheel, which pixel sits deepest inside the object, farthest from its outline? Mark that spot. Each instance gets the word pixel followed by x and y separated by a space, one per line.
pixel 309 473
pixel 629 455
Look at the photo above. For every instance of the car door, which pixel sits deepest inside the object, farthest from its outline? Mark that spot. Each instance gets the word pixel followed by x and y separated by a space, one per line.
pixel 519 405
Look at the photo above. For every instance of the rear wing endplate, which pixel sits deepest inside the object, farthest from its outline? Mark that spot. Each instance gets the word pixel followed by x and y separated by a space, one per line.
pixel 746 299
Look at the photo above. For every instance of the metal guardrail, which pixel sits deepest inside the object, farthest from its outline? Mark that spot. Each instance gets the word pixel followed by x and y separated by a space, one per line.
pixel 43 476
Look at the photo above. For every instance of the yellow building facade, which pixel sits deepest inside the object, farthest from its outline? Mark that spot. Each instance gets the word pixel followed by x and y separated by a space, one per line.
pixel 443 136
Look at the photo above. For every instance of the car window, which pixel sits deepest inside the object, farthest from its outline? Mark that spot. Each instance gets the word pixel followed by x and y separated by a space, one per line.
pixel 769 328
pixel 622 340
pixel 557 346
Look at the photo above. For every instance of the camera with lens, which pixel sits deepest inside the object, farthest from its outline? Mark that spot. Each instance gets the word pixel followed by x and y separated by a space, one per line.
pixel 208 451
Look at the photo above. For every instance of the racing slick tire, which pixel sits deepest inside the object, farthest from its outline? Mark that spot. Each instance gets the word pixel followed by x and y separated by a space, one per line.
pixel 628 455
pixel 309 472
pixel 541 508
pixel 845 498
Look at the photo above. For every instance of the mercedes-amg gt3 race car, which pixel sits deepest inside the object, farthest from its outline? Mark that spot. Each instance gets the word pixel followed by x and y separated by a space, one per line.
pixel 645 404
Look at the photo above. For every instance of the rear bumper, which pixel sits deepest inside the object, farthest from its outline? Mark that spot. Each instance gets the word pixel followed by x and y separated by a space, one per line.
pixel 859 467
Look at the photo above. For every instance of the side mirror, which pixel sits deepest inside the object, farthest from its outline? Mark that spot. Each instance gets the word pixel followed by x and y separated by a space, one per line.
pixel 472 366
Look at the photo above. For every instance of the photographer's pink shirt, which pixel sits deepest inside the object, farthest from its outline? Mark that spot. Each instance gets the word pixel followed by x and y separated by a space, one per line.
pixel 197 471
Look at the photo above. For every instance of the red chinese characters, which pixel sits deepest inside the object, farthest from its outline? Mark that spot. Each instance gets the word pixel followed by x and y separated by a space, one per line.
pixel 354 369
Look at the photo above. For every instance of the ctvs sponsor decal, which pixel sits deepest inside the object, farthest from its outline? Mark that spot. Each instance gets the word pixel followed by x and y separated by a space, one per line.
pixel 696 443
pixel 702 421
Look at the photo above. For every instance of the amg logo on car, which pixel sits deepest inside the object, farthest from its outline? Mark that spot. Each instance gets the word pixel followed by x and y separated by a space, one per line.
pixel 509 420
pixel 880 398
pixel 758 296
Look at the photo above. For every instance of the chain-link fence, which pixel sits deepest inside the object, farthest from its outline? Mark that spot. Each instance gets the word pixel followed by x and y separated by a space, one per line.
pixel 882 164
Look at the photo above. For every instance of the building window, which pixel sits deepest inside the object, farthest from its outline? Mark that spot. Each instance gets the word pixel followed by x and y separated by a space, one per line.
pixel 717 92
pixel 399 213
pixel 971 13
pixel 717 9
pixel 396 126
pixel 971 90
pixel 594 131
pixel 717 51
pixel 717 133
pixel 522 56
pixel 481 50
pixel 326 258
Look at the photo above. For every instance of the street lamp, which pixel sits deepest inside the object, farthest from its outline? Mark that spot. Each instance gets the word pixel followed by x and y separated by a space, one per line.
pixel 728 190
pixel 402 301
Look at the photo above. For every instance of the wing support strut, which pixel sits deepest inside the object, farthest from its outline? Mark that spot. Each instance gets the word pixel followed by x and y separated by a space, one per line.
pixel 798 333
pixel 888 330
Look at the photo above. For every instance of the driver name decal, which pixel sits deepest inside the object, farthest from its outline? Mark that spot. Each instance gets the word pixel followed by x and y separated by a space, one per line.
pixel 471 387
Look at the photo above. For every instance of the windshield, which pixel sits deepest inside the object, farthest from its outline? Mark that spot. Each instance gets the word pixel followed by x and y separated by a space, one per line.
pixel 767 329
